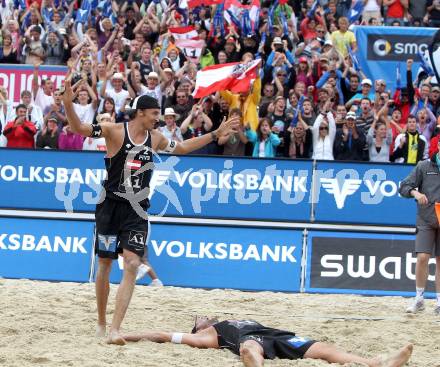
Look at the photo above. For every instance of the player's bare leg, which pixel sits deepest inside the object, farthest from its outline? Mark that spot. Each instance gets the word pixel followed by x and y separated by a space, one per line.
pixel 123 296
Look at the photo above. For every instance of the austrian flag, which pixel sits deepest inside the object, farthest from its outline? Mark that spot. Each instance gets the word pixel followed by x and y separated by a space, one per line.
pixel 133 165
pixel 235 77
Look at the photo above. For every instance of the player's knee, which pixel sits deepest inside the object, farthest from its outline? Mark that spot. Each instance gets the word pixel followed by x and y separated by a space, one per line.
pixel 104 266
pixel 131 264
pixel 423 258
pixel 249 349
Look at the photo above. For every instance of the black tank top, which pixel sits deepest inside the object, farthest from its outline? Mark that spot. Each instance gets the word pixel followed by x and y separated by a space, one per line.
pixel 231 332
pixel 129 171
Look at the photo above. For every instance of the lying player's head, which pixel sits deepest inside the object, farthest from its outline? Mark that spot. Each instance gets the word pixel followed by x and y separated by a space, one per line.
pixel 202 323
pixel 147 110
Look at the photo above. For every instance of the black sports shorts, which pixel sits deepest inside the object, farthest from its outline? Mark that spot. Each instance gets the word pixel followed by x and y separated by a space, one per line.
pixel 119 227
pixel 281 344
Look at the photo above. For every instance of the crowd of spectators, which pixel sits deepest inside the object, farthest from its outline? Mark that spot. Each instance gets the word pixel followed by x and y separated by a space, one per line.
pixel 309 100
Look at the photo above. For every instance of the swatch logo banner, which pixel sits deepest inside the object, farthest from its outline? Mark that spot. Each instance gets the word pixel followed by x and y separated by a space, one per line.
pixel 386 47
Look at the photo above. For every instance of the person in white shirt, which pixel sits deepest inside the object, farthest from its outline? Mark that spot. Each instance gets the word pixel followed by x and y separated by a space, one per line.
pixel 153 88
pixel 171 130
pixel 84 109
pixel 43 95
pixel 324 132
pixel 98 143
pixel 117 92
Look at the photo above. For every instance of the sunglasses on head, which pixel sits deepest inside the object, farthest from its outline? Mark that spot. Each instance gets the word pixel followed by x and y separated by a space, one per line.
pixel 323 128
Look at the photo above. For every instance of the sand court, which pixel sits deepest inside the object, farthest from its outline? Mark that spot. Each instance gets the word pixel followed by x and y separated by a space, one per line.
pixel 53 324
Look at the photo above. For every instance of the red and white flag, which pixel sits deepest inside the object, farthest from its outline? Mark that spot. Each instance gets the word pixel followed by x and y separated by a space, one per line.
pixel 191 48
pixel 194 3
pixel 235 77
pixel 188 32
pixel 134 165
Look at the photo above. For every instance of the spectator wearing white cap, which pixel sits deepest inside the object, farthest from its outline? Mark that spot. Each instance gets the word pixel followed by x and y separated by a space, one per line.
pixel 349 141
pixel 366 92
pixel 117 92
pixel 171 130
pixel 153 88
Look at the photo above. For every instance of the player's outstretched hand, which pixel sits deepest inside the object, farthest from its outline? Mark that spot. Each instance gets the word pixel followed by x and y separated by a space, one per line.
pixel 228 126
pixel 68 92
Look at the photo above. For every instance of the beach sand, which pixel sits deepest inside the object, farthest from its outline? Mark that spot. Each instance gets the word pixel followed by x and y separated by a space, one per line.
pixel 53 324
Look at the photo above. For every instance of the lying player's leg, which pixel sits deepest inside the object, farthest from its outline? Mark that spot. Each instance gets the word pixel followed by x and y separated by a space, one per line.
pixel 331 354
pixel 252 354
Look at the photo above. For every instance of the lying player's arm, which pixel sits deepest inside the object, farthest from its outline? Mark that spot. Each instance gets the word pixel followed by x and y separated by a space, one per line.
pixel 87 130
pixel 200 340
pixel 188 146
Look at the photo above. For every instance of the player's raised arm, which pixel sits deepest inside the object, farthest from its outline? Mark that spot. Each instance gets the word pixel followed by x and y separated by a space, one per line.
pixel 188 146
pixel 87 130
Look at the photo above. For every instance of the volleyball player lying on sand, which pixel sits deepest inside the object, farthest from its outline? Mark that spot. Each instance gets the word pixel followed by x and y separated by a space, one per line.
pixel 254 342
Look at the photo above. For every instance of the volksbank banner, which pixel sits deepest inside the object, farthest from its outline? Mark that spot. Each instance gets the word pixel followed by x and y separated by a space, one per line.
pixel 381 49
pixel 45 249
pixel 362 193
pixel 374 264
pixel 215 187
pixel 222 257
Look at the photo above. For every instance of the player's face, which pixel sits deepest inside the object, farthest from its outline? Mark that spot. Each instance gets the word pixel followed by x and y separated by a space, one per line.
pixel 150 117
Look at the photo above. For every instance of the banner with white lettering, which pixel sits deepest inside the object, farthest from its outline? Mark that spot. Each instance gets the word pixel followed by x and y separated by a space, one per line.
pixel 215 187
pixel 363 263
pixel 224 257
pixel 50 180
pixel 17 78
pixel 362 193
pixel 55 250
pixel 382 49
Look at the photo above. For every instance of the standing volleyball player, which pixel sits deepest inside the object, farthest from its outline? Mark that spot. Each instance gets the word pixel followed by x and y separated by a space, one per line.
pixel 121 221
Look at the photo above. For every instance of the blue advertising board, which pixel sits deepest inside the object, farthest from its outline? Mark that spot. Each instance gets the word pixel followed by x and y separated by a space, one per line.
pixel 50 180
pixel 224 257
pixel 41 249
pixel 363 263
pixel 362 193
pixel 217 187
pixel 382 49
pixel 181 185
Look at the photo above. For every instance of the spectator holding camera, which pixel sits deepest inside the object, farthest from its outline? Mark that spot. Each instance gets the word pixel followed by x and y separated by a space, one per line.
pixel 324 132
pixel 47 138
pixel 349 141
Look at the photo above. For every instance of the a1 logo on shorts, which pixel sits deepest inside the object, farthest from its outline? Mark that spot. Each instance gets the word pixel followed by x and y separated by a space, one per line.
pixel 297 341
pixel 136 239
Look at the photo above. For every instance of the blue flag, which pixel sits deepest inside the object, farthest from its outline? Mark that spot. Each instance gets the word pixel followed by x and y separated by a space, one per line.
pixel 425 65
pixel 299 109
pixel 82 15
pixel 354 60
pixel 311 12
pixel 246 28
pixel 398 76
pixel 355 11
pixel 271 16
pixel 284 23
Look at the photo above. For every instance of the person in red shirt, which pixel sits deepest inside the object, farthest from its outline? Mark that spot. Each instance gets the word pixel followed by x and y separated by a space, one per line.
pixel 20 132
pixel 396 11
